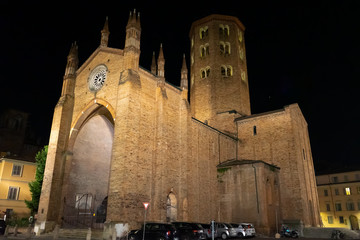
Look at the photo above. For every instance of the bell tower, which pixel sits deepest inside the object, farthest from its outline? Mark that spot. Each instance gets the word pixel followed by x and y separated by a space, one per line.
pixel 219 90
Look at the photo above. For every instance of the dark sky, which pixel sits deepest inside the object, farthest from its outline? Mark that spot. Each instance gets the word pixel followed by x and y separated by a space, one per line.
pixel 305 52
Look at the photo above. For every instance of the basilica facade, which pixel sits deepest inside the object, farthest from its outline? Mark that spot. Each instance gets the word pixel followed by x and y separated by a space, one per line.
pixel 122 135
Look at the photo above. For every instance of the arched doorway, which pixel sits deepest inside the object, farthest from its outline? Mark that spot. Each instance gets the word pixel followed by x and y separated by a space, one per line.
pixel 354 222
pixel 171 208
pixel 87 174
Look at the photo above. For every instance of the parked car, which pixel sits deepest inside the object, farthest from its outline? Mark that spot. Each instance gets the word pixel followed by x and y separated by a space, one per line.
pixel 224 230
pixel 207 229
pixel 244 229
pixel 190 231
pixel 2 226
pixel 155 231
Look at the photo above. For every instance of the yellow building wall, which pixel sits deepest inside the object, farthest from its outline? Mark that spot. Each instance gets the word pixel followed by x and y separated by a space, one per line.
pixel 339 199
pixel 18 181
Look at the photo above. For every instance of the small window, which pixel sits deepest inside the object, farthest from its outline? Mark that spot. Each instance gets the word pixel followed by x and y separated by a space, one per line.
pixel 204 32
pixel 205 72
pixel 17 170
pixel 337 191
pixel 341 219
pixel 334 179
pixel 358 190
pixel 338 207
pixel 224 30
pixel 330 220
pixel 328 207
pixel 13 193
pixel 226 71
pixel 350 206
pixel 254 130
pixel 326 192
pixel 204 50
pixel 347 191
pixel 346 178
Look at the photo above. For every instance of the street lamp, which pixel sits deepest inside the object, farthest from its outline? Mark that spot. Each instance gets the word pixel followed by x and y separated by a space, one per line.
pixel 146 205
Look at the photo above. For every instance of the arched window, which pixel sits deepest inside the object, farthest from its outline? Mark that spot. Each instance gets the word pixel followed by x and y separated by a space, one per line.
pixel 204 50
pixel 204 32
pixel 205 72
pixel 224 30
pixel 171 208
pixel 224 48
pixel 226 71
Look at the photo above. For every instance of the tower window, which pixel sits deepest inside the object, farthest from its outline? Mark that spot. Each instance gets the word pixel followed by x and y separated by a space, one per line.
pixel 226 71
pixel 224 30
pixel 204 32
pixel 225 48
pixel 254 130
pixel 205 72
pixel 204 50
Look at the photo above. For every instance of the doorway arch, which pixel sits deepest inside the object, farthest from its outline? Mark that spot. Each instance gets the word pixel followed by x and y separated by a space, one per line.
pixel 88 170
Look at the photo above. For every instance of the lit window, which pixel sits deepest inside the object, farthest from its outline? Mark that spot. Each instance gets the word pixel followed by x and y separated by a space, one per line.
pixel 13 193
pixel 347 191
pixel 17 170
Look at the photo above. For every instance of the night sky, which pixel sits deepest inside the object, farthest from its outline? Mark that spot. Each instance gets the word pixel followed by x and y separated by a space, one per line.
pixel 305 52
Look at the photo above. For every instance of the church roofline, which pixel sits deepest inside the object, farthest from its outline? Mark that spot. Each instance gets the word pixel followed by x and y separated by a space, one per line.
pixel 266 114
pixel 235 162
pixel 214 129
pixel 94 54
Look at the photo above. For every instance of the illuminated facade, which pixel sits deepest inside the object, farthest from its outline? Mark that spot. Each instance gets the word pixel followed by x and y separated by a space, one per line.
pixel 122 135
pixel 339 199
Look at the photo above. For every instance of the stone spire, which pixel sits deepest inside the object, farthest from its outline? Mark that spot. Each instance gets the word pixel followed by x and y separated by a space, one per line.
pixel 184 75
pixel 72 60
pixel 133 31
pixel 153 64
pixel 70 71
pixel 161 63
pixel 105 34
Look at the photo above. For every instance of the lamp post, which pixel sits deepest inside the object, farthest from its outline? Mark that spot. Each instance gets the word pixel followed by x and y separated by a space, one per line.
pixel 146 205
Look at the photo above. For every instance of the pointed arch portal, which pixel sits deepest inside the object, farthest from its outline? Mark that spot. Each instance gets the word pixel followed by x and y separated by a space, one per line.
pixel 87 174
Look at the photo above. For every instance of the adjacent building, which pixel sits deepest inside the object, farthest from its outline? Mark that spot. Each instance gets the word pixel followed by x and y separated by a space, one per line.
pixel 122 135
pixel 15 176
pixel 17 163
pixel 339 199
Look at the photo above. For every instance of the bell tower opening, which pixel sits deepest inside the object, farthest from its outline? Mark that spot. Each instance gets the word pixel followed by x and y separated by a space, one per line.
pixel 87 177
